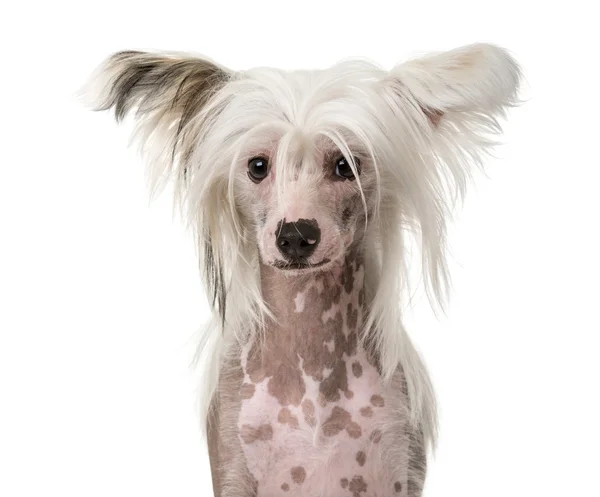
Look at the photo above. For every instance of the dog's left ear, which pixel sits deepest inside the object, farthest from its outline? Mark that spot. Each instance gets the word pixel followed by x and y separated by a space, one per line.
pixel 476 78
pixel 448 107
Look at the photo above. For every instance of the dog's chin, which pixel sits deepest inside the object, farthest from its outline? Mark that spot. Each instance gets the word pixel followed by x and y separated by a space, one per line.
pixel 293 268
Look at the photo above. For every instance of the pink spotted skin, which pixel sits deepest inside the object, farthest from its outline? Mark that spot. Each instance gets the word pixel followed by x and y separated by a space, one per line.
pixel 315 419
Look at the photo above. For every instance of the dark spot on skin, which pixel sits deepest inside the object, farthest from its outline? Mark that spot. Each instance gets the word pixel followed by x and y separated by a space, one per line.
pixel 377 401
pixel 337 421
pixel 344 482
pixel 286 417
pixel 336 293
pixel 349 394
pixel 351 317
pixel 361 458
pixel 285 487
pixel 250 434
pixel 336 381
pixel 367 412
pixel 357 486
pixel 247 391
pixel 375 436
pixel 351 343
pixel 298 475
pixel 287 384
pixel 348 277
pixel 361 297
pixel 398 487
pixel 357 369
pixel 354 430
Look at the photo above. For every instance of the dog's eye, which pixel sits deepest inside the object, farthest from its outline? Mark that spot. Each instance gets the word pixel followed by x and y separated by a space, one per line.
pixel 343 169
pixel 258 169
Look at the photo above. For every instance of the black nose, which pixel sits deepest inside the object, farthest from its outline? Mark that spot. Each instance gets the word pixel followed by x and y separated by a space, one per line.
pixel 298 240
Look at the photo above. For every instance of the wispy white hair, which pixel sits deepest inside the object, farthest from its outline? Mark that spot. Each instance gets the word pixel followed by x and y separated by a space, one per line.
pixel 424 125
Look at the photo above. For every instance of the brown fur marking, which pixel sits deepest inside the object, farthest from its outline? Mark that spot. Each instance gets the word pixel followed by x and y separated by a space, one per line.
pixel 354 430
pixel 351 316
pixel 338 421
pixel 367 411
pixel 298 474
pixel 287 418
pixel 250 434
pixel 357 485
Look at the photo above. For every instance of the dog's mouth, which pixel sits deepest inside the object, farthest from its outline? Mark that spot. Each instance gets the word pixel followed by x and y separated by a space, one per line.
pixel 299 265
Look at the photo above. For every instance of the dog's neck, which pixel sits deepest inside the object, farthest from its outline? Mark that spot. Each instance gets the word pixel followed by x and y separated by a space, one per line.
pixel 302 303
pixel 316 326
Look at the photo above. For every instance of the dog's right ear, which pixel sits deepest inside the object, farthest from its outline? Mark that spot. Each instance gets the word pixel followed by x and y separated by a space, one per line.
pixel 167 91
pixel 174 99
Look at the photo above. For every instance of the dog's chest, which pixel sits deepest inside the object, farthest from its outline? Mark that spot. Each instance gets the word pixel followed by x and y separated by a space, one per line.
pixel 318 424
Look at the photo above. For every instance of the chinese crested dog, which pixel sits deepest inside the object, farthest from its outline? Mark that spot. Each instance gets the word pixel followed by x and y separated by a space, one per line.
pixel 304 190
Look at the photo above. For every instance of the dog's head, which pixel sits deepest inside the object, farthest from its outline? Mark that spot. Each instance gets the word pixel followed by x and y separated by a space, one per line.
pixel 298 167
pixel 303 198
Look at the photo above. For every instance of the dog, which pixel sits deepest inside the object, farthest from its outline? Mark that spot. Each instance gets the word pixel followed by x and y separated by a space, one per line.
pixel 304 190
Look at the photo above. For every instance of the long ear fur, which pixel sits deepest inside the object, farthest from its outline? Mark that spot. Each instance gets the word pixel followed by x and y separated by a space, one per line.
pixel 167 91
pixel 476 78
pixel 170 94
pixel 445 113
pixel 457 98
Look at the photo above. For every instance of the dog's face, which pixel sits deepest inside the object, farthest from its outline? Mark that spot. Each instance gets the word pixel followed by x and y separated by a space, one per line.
pixel 300 181
pixel 310 219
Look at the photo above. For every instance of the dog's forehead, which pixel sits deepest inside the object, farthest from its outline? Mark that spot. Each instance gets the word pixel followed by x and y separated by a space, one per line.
pixel 307 107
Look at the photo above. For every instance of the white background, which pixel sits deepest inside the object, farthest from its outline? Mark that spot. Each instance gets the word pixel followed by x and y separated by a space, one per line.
pixel 100 297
